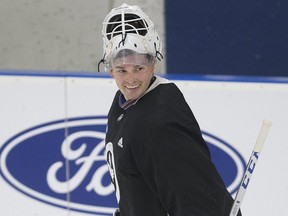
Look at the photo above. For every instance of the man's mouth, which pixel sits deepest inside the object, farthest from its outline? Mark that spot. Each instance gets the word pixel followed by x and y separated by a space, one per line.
pixel 132 86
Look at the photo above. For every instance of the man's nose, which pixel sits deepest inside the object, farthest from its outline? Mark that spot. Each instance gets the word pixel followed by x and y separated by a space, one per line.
pixel 131 76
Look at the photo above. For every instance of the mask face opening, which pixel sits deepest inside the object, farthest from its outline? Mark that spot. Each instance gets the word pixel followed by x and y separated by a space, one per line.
pixel 130 57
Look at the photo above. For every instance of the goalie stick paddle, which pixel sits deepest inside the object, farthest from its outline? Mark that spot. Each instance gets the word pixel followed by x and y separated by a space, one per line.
pixel 250 167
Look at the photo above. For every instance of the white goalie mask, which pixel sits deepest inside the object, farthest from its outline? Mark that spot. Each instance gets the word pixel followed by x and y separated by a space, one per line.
pixel 129 28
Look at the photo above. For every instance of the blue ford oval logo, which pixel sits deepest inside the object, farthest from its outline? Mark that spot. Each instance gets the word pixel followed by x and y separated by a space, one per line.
pixel 62 163
pixel 228 161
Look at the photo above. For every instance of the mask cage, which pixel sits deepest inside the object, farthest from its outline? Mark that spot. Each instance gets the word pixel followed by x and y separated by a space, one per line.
pixel 130 24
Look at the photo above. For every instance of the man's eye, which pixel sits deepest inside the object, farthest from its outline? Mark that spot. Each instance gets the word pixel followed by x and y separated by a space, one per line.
pixel 139 68
pixel 121 71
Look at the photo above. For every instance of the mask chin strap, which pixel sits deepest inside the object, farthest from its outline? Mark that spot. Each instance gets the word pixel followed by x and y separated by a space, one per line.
pixel 158 55
pixel 102 61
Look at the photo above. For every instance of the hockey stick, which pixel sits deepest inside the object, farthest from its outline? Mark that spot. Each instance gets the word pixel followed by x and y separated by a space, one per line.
pixel 250 167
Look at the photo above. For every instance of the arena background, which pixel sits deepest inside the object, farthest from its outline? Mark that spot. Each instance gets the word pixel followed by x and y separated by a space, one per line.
pixel 228 58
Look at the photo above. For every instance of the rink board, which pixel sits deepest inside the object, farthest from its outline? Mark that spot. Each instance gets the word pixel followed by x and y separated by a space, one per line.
pixel 53 128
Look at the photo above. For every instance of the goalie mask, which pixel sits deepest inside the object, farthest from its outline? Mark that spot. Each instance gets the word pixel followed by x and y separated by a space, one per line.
pixel 127 29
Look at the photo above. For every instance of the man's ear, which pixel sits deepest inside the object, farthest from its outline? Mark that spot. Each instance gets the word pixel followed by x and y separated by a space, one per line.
pixel 111 73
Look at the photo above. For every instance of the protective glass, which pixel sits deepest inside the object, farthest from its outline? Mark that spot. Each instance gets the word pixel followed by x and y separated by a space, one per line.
pixel 126 56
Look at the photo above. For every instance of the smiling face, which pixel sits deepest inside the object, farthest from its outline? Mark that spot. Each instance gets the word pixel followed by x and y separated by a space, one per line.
pixel 132 72
pixel 132 80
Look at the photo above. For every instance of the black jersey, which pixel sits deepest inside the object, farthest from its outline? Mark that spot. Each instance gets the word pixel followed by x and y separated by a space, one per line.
pixel 159 162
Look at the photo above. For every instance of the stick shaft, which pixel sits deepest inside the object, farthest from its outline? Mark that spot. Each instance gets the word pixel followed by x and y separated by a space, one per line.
pixel 250 167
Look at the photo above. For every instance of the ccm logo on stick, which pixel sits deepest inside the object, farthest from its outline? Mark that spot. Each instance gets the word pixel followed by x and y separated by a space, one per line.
pixel 250 169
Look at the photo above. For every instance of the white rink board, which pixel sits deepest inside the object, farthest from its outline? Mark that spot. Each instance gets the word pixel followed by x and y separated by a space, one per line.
pixel 232 110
